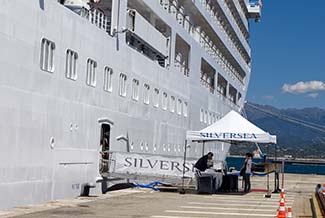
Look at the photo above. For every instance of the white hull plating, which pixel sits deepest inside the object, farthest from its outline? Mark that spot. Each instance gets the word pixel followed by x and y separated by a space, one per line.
pixel 51 126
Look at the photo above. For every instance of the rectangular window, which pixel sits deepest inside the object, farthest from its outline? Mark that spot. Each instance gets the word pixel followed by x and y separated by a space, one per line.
pixel 205 116
pixel 185 108
pixel 135 89
pixel 172 104
pixel 47 55
pixel 91 72
pixel 122 85
pixel 108 79
pixel 156 98
pixel 71 65
pixel 179 107
pixel 201 115
pixel 164 101
pixel 146 94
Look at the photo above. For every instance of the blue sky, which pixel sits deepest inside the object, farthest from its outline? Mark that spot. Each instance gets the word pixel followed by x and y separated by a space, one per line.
pixel 288 51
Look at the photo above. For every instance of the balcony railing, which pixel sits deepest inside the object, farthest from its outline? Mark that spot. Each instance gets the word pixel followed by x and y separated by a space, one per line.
pixel 216 54
pixel 139 26
pixel 207 81
pixel 236 26
pixel 181 67
pixel 202 39
pixel 97 18
pixel 222 26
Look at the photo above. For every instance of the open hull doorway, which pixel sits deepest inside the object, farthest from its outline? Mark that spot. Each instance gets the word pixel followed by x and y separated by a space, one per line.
pixel 105 148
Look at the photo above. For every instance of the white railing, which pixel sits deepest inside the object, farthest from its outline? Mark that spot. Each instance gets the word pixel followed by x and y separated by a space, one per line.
pixel 147 32
pixel 181 67
pixel 240 33
pixel 207 81
pixel 203 40
pixel 97 18
pixel 233 46
pixel 241 14
pixel 216 54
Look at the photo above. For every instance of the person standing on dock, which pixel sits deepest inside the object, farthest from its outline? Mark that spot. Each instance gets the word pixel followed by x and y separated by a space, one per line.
pixel 248 172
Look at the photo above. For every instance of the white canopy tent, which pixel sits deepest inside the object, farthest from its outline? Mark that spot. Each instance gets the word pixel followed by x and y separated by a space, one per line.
pixel 232 128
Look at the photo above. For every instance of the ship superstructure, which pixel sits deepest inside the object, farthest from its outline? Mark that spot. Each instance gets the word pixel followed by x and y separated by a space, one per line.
pixel 81 79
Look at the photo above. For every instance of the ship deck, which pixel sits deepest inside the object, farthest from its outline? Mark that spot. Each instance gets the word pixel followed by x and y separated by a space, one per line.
pixel 147 203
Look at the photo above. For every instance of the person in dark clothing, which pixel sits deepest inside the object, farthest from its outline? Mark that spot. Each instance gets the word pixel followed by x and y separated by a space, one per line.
pixel 202 163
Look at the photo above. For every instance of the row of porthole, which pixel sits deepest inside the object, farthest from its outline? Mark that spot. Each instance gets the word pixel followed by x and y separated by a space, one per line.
pixel 208 117
pixel 144 146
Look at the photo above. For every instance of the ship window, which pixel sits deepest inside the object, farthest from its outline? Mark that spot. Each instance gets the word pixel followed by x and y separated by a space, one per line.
pixel 141 146
pixel 205 116
pixel 91 72
pixel 122 85
pixel 147 146
pixel 132 146
pixel 164 101
pixel 135 89
pixel 146 94
pixel 47 55
pixel 185 108
pixel 179 107
pixel 172 104
pixel 156 98
pixel 201 115
pixel 71 65
pixel 209 118
pixel 108 79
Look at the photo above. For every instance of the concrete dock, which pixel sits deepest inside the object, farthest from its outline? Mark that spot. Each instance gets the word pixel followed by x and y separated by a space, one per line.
pixel 148 203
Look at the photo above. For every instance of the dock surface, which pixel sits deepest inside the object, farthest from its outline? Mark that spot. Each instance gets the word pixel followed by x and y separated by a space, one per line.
pixel 138 203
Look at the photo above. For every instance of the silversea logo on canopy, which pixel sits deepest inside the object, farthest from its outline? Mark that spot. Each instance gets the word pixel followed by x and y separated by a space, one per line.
pixel 227 135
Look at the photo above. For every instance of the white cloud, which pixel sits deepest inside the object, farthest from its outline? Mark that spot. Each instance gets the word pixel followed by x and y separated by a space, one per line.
pixel 313 95
pixel 304 87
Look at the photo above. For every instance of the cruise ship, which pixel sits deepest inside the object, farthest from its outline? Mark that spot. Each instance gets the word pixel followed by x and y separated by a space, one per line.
pixel 86 83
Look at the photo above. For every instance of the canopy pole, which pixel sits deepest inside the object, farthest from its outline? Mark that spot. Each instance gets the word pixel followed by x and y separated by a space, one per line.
pixel 203 145
pixel 276 173
pixel 268 194
pixel 282 169
pixel 184 162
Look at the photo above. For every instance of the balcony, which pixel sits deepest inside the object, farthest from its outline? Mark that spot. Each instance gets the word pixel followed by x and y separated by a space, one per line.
pixel 182 53
pixel 207 76
pixel 233 15
pixel 218 21
pixel 147 34
pixel 212 49
pixel 100 18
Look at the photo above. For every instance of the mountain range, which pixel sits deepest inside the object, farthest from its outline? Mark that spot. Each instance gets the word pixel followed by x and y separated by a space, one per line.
pixel 300 132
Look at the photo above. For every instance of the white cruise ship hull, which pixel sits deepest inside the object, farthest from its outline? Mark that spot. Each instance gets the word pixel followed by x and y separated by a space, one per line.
pixel 52 126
